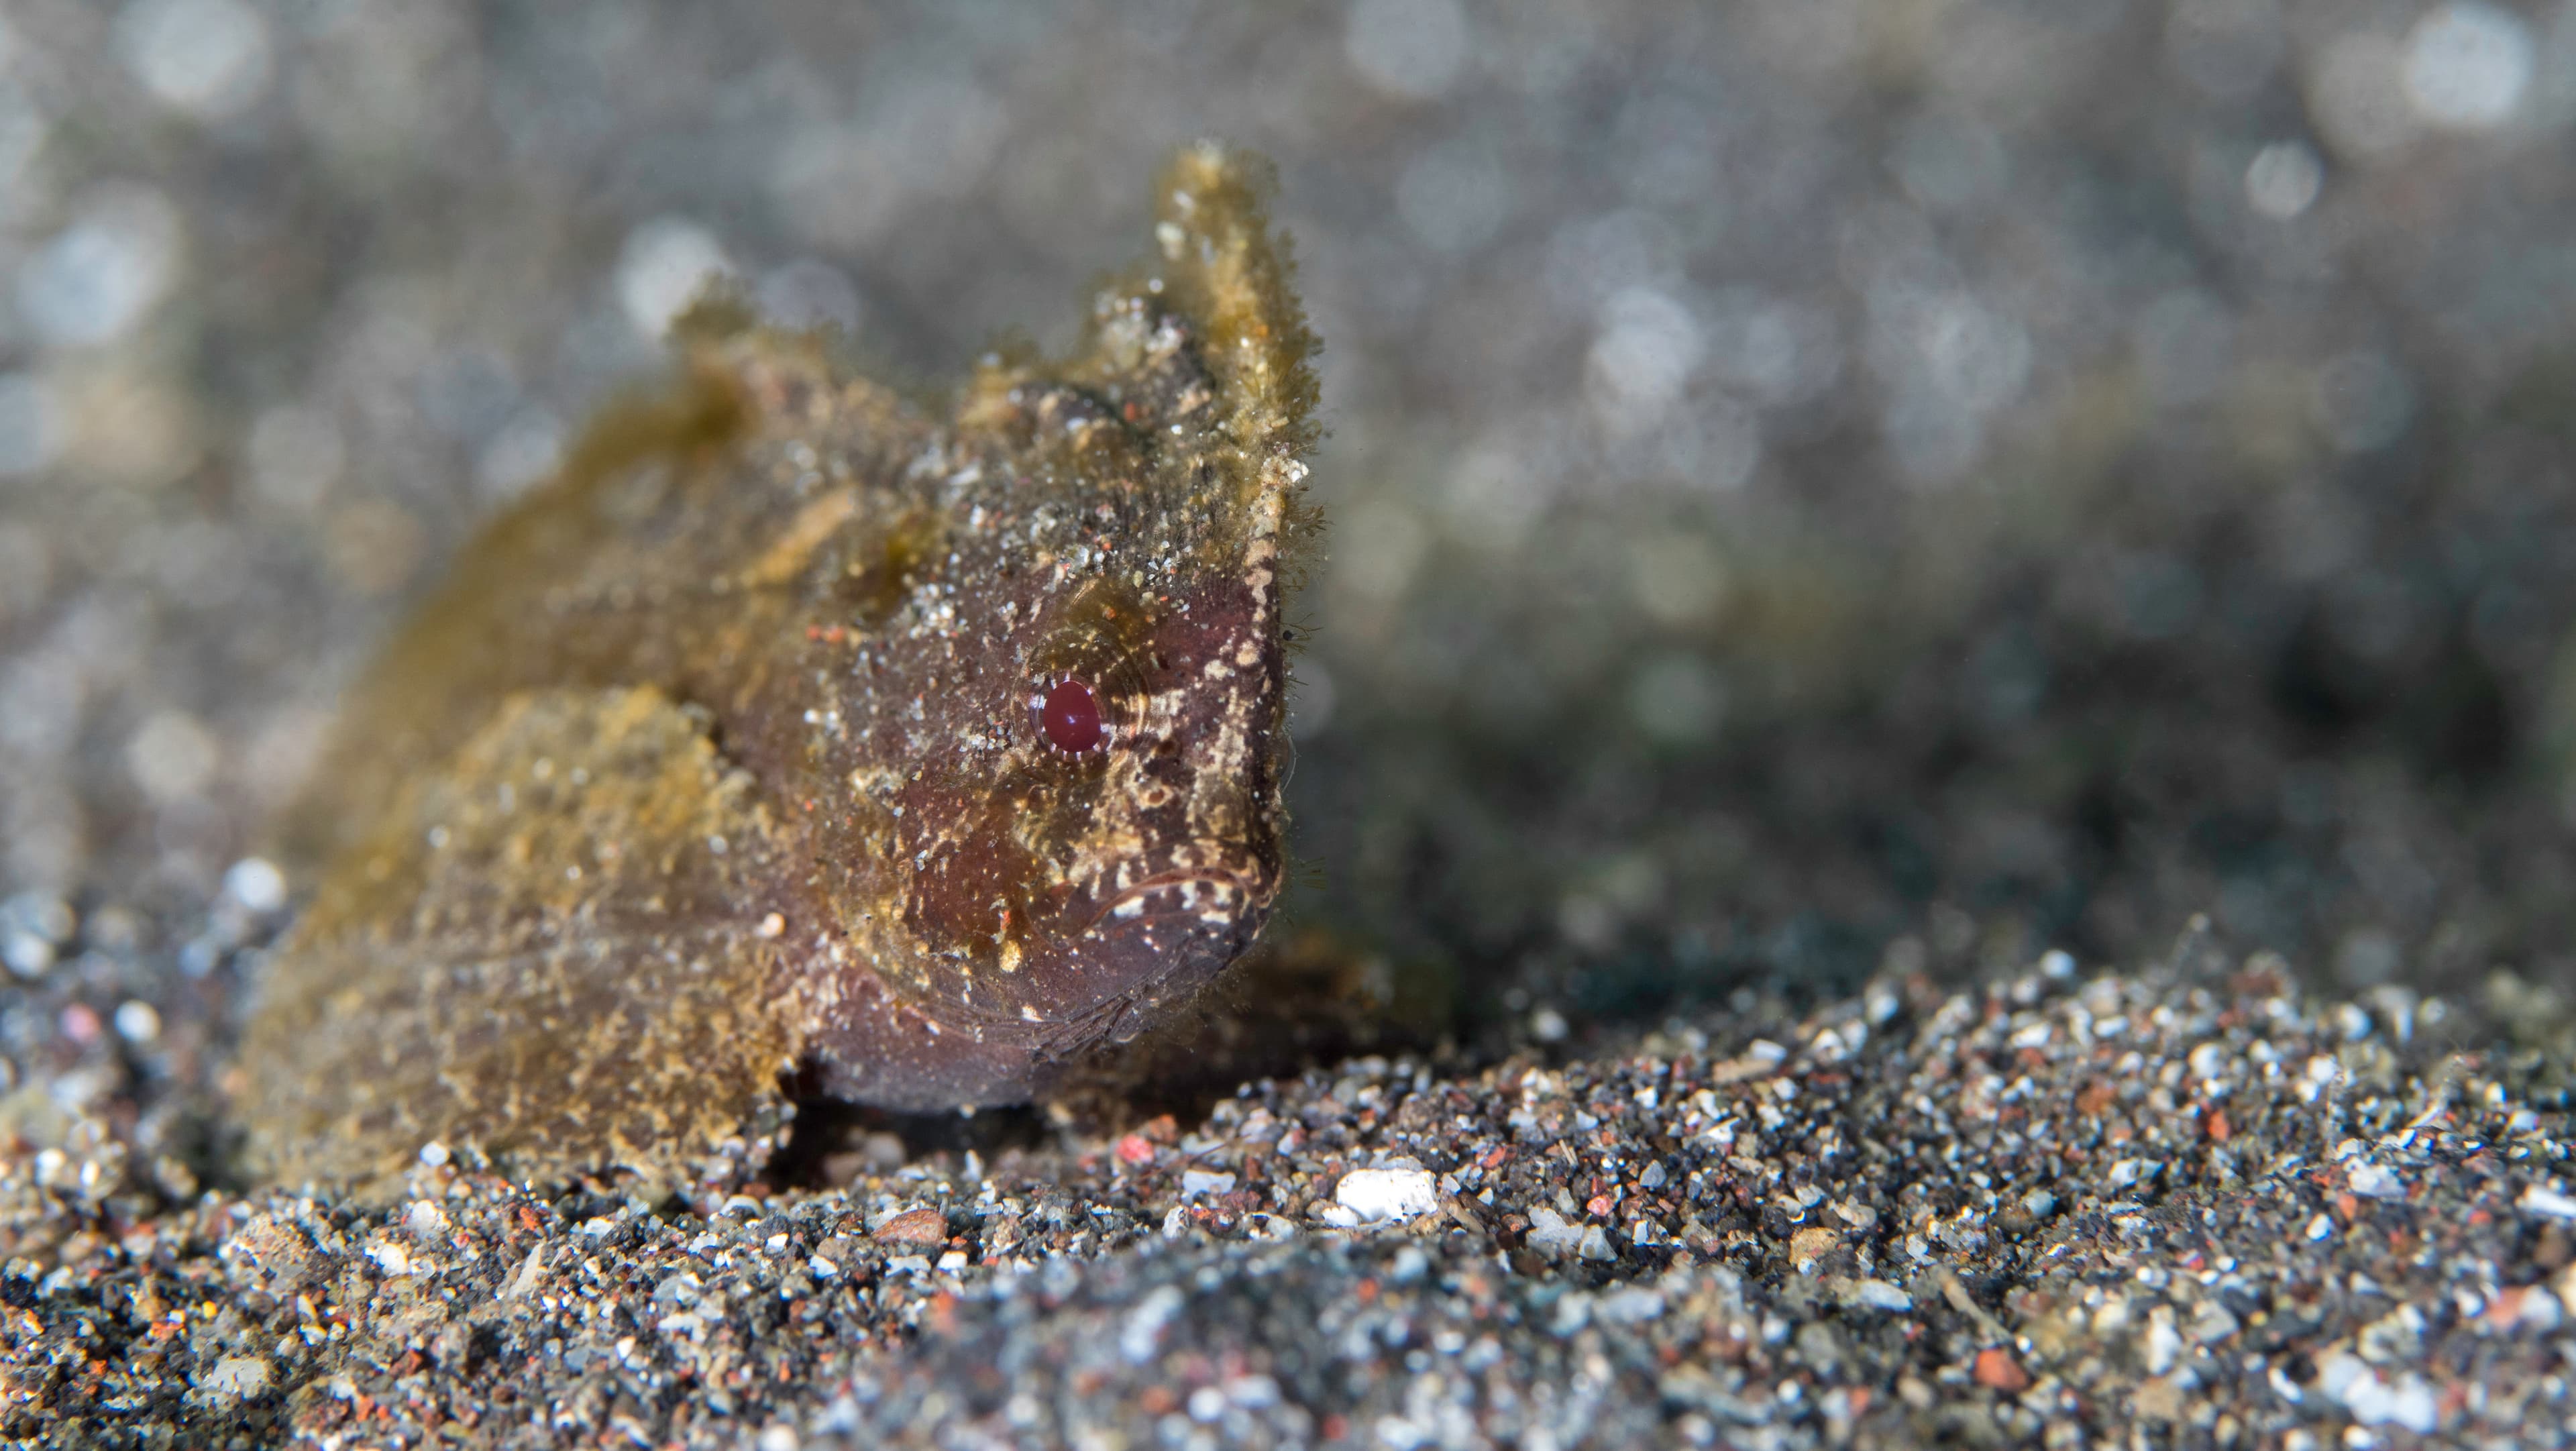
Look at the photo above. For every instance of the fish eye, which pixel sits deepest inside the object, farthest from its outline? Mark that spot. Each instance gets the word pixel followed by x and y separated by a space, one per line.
pixel 1069 715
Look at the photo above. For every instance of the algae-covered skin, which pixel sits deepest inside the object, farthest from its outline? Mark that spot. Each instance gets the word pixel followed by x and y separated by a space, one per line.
pixel 796 728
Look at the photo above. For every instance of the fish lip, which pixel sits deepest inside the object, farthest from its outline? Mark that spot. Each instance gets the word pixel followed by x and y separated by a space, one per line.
pixel 1252 902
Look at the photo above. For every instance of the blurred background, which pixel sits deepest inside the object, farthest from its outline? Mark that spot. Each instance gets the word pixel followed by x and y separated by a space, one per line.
pixel 1815 484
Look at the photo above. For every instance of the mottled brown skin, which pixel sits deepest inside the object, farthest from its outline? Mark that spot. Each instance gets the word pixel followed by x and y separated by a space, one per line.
pixel 716 758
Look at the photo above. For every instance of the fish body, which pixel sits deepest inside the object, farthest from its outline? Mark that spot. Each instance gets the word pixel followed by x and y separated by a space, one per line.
pixel 798 726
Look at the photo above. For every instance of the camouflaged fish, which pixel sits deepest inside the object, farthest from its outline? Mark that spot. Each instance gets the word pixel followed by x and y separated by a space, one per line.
pixel 793 728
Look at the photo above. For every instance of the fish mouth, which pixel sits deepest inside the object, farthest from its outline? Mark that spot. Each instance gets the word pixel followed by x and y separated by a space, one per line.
pixel 1171 933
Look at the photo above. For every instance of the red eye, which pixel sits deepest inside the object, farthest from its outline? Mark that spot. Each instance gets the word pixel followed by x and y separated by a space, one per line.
pixel 1069 716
